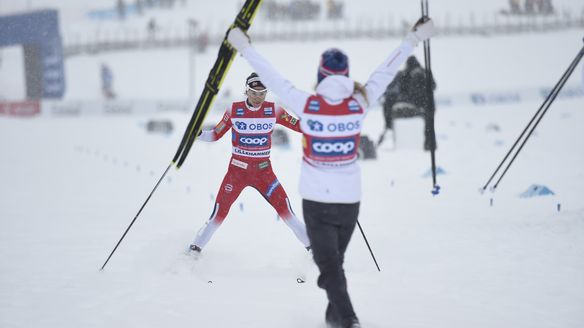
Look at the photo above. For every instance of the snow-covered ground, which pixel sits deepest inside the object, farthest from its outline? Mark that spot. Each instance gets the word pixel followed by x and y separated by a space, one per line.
pixel 71 186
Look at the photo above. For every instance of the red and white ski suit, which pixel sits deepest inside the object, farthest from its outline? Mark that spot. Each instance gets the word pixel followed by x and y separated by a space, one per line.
pixel 251 131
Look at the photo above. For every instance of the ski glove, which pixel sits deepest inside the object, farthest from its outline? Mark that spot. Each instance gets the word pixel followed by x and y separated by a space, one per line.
pixel 422 30
pixel 238 39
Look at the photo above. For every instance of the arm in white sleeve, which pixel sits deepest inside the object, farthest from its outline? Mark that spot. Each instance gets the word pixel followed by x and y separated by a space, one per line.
pixel 219 130
pixel 385 73
pixel 294 99
pixel 208 136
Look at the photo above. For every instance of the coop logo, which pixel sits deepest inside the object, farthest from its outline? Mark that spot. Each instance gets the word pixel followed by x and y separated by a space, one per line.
pixel 336 147
pixel 253 141
pixel 241 125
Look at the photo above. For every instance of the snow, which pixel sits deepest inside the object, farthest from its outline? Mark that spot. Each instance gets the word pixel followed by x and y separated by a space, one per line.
pixel 71 186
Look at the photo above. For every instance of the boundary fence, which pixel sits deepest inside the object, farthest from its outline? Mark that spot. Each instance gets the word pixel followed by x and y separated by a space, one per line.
pixel 478 99
pixel 121 38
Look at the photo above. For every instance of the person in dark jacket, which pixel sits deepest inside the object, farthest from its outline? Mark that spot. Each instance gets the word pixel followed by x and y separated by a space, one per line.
pixel 407 96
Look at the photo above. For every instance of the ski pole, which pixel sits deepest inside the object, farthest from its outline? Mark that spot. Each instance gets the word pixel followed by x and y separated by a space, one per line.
pixel 553 96
pixel 538 115
pixel 135 217
pixel 367 242
pixel 214 80
pixel 431 105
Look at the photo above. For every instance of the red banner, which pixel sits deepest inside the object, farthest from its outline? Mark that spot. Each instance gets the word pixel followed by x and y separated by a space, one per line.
pixel 20 108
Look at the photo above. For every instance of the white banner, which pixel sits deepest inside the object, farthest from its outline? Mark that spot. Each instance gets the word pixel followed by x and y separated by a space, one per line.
pixel 482 98
pixel 111 108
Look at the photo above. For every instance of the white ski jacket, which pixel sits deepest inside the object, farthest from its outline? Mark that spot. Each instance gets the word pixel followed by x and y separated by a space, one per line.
pixel 329 184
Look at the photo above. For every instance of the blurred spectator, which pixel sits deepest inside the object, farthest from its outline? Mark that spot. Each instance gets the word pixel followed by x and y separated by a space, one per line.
pixel 198 39
pixel 530 7
pixel 271 10
pixel 303 10
pixel 166 3
pixel 334 9
pixel 293 10
pixel 152 28
pixel 107 80
pixel 121 7
pixel 202 41
pixel 545 7
pixel 139 7
pixel 515 6
pixel 407 96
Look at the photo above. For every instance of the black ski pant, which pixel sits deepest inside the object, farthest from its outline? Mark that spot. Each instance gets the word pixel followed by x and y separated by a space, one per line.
pixel 329 228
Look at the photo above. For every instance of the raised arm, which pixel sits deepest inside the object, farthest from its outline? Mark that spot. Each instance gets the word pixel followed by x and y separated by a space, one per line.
pixel 386 72
pixel 293 98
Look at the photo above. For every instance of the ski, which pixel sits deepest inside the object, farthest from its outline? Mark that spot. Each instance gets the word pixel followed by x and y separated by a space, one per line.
pixel 214 81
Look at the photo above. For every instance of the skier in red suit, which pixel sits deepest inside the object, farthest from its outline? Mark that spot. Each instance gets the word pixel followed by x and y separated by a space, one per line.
pixel 251 122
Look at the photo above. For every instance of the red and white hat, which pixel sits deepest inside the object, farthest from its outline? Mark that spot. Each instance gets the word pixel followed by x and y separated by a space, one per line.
pixel 253 82
pixel 333 62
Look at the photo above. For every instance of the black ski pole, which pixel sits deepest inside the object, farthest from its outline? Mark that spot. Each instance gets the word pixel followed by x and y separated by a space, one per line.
pixel 137 214
pixel 367 242
pixel 553 95
pixel 216 76
pixel 537 116
pixel 540 112
pixel 431 105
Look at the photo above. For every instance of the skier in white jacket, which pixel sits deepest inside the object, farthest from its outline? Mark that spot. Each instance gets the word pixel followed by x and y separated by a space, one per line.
pixel 330 178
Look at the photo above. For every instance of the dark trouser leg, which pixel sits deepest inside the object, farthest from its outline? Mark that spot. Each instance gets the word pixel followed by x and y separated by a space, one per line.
pixel 330 227
pixel 429 138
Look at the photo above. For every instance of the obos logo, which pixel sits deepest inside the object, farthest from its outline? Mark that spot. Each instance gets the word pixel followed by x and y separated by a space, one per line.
pixel 261 126
pixel 254 126
pixel 253 141
pixel 315 125
pixel 336 147
pixel 241 125
pixel 342 126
